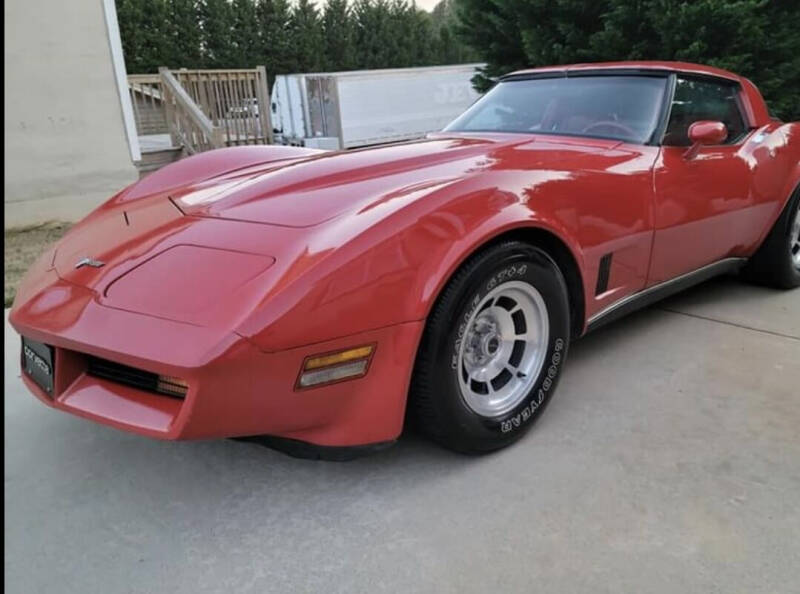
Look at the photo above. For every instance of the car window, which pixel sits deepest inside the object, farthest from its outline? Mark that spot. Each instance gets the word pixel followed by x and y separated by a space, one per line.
pixel 620 107
pixel 696 100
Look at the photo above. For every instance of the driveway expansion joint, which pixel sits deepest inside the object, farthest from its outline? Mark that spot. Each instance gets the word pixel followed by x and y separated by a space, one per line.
pixel 727 323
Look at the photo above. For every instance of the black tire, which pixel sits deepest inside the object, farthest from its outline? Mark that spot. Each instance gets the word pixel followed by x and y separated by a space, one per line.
pixel 772 264
pixel 437 407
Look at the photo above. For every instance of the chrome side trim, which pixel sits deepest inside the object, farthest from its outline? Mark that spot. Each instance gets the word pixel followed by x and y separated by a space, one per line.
pixel 657 292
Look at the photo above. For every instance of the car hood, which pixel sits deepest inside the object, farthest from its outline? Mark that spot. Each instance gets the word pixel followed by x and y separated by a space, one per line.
pixel 208 253
pixel 147 257
pixel 310 191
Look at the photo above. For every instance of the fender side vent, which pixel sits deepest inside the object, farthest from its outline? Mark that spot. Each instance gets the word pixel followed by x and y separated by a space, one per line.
pixel 136 378
pixel 603 274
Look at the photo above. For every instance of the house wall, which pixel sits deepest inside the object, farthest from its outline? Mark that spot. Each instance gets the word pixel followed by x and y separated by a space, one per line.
pixel 65 139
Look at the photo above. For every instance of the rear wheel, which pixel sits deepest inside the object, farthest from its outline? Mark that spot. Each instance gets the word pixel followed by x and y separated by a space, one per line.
pixel 493 349
pixel 777 262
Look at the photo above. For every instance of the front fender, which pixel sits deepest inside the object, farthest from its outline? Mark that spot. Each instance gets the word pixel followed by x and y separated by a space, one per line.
pixel 391 272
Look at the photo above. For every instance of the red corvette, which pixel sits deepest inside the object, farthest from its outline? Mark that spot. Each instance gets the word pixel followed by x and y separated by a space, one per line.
pixel 320 298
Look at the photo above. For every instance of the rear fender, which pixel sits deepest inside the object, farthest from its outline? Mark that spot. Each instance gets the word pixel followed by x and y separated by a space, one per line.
pixel 792 133
pixel 791 147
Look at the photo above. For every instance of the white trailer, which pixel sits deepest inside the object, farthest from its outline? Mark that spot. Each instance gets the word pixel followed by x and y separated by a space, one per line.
pixel 334 110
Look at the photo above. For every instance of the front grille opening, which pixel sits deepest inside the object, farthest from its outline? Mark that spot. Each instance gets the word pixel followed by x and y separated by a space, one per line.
pixel 137 378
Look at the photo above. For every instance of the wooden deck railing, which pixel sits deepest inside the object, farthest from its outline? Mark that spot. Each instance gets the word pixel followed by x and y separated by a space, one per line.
pixel 189 127
pixel 148 106
pixel 203 109
pixel 235 100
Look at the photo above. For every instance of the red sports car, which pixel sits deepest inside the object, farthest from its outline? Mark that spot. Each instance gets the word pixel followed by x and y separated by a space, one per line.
pixel 321 298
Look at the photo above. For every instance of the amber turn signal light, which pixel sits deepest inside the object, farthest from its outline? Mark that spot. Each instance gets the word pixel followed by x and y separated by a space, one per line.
pixel 335 367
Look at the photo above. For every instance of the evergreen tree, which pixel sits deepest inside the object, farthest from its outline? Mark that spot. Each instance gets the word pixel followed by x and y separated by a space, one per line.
pixel 410 35
pixel 217 26
pixel 144 34
pixel 492 28
pixel 245 43
pixel 756 38
pixel 422 51
pixel 287 35
pixel 305 26
pixel 448 47
pixel 776 64
pixel 339 41
pixel 183 34
pixel 275 49
pixel 373 34
pixel 128 16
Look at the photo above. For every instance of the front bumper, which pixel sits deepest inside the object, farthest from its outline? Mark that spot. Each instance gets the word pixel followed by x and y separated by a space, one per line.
pixel 235 389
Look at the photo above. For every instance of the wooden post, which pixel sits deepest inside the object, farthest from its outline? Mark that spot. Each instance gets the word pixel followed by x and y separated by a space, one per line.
pixel 264 105
pixel 218 137
pixel 132 91
pixel 166 97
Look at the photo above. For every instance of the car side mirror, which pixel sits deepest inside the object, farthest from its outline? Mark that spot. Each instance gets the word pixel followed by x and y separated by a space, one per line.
pixel 703 133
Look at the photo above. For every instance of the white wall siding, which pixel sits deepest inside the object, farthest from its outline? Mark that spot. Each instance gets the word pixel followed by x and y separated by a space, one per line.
pixel 65 140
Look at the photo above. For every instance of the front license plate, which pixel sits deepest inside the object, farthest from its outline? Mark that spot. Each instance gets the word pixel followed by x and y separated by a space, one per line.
pixel 37 363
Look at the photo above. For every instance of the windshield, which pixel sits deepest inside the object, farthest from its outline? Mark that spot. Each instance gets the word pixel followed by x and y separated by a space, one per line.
pixel 618 107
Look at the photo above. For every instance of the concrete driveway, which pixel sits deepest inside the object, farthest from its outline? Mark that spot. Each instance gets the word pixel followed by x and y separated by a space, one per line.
pixel 669 462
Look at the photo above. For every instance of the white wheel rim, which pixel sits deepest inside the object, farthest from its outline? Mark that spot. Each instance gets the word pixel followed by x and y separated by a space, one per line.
pixel 794 240
pixel 503 349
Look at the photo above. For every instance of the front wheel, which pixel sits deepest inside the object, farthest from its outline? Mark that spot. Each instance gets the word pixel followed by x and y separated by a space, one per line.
pixel 493 349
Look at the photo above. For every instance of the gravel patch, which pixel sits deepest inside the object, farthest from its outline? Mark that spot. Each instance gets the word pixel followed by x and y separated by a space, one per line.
pixel 22 246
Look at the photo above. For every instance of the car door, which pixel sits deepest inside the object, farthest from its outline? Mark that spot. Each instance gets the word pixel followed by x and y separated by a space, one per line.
pixel 702 201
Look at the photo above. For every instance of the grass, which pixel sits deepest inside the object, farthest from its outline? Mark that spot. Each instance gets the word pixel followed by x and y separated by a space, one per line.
pixel 23 245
